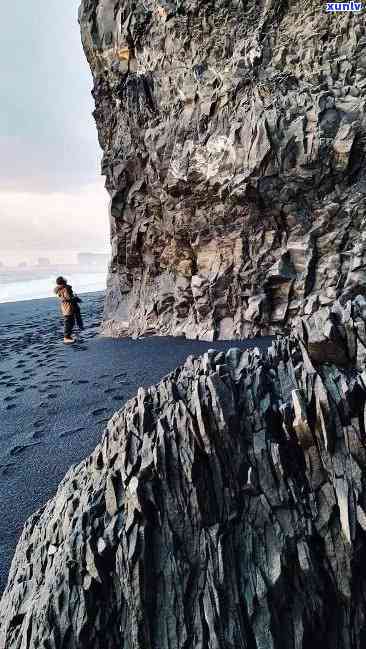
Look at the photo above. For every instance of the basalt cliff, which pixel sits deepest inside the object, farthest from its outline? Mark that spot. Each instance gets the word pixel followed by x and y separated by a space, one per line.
pixel 234 144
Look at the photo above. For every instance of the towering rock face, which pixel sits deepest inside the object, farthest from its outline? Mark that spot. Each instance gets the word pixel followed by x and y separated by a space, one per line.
pixel 234 145
pixel 225 507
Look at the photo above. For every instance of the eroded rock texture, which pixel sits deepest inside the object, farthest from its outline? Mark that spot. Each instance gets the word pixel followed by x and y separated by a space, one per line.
pixel 234 146
pixel 225 507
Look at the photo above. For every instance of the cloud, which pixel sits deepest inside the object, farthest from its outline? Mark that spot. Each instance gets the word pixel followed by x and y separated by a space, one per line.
pixel 51 194
pixel 47 164
pixel 59 220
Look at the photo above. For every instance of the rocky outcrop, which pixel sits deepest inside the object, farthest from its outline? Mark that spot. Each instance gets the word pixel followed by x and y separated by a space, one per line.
pixel 225 507
pixel 234 148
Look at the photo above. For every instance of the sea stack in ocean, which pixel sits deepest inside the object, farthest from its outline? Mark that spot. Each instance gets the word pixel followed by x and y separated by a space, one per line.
pixel 224 507
pixel 234 153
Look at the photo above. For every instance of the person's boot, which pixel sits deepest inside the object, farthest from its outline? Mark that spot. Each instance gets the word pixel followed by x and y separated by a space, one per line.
pixel 68 340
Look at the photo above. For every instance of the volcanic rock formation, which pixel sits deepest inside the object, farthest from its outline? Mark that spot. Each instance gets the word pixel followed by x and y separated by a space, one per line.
pixel 234 139
pixel 225 507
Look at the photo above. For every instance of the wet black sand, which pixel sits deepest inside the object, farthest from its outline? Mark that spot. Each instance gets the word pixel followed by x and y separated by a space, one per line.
pixel 55 399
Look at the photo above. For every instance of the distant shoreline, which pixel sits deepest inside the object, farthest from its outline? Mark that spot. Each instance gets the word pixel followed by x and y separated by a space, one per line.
pixel 24 289
pixel 38 271
pixel 53 298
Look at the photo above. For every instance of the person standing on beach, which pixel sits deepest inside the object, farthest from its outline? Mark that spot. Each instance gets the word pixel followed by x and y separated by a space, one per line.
pixel 69 308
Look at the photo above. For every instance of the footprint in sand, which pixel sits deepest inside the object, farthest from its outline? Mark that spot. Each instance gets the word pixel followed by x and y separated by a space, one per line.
pixel 6 468
pixel 38 434
pixel 68 433
pixel 99 411
pixel 20 448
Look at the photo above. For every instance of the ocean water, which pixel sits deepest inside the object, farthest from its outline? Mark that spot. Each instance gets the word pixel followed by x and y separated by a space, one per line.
pixel 36 288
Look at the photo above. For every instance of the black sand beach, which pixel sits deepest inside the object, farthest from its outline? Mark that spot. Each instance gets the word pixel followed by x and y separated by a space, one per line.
pixel 55 400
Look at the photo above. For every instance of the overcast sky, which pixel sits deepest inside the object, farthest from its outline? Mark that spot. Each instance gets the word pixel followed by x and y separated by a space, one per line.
pixel 51 193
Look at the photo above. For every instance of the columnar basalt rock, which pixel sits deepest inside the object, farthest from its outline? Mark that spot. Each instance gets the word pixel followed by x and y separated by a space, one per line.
pixel 224 507
pixel 234 147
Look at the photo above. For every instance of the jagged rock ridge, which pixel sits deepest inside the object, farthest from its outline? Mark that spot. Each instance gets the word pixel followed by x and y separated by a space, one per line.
pixel 234 148
pixel 225 507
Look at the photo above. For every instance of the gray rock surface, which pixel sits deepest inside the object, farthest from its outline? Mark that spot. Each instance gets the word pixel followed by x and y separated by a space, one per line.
pixel 225 507
pixel 234 153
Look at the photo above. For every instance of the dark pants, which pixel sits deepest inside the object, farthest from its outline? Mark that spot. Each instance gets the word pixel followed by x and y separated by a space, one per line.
pixel 69 325
pixel 78 318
